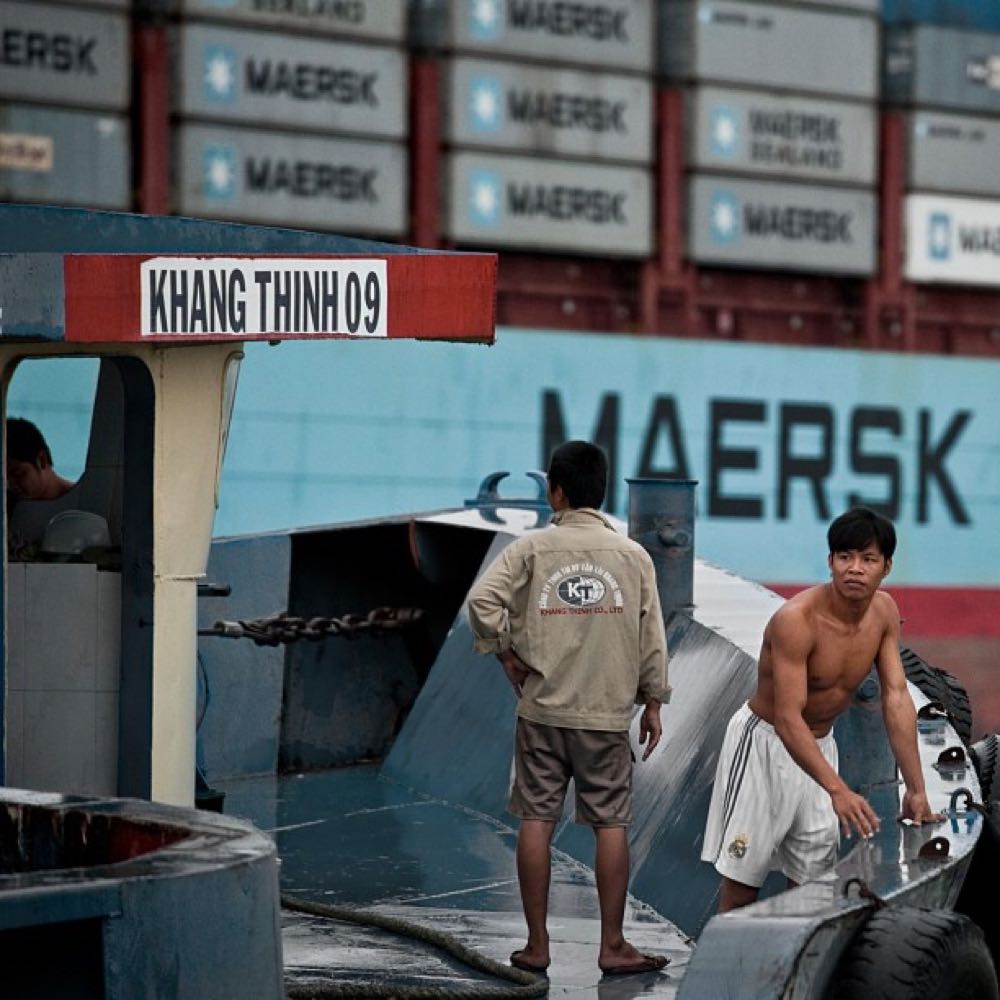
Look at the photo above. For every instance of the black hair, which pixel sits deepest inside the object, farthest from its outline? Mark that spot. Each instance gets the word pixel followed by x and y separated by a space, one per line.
pixel 25 441
pixel 581 469
pixel 859 527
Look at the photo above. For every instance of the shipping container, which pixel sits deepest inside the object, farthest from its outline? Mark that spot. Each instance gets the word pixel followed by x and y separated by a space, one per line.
pixel 62 55
pixel 614 34
pixel 65 157
pixel 543 204
pixel 955 153
pixel 781 135
pixel 561 112
pixel 952 240
pixel 768 224
pixel 927 66
pixel 290 82
pixel 769 45
pixel 281 178
pixel 105 4
pixel 368 20
pixel 862 6
pixel 977 14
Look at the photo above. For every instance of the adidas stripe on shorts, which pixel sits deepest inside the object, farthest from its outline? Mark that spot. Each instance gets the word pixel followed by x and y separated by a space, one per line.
pixel 766 812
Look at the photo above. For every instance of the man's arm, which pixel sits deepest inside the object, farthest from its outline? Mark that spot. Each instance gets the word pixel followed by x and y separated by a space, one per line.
pixel 489 606
pixel 901 719
pixel 653 688
pixel 791 642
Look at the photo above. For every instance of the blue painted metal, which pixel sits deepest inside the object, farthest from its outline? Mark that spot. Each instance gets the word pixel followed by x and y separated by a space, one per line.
pixel 32 295
pixel 170 890
pixel 787 947
pixel 455 747
pixel 44 229
pixel 982 14
pixel 661 519
pixel 240 731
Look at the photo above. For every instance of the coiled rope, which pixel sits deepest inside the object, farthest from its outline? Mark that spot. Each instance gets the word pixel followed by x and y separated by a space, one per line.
pixel 524 984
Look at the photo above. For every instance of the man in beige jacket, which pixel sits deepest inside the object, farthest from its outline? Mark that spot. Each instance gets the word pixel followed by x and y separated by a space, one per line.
pixel 573 616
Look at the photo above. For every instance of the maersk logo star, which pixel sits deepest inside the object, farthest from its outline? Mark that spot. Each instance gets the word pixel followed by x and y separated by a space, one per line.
pixel 220 172
pixel 724 217
pixel 939 236
pixel 485 21
pixel 220 74
pixel 485 102
pixel 484 197
pixel 725 131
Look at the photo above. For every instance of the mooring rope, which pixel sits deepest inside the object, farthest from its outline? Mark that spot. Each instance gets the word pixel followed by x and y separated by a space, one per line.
pixel 524 984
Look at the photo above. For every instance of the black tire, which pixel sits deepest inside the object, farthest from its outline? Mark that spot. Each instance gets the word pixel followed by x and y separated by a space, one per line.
pixel 984 754
pixel 977 900
pixel 940 686
pixel 904 953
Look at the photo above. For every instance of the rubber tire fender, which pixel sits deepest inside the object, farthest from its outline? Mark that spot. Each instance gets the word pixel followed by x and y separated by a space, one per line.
pixel 977 898
pixel 906 953
pixel 985 754
pixel 940 686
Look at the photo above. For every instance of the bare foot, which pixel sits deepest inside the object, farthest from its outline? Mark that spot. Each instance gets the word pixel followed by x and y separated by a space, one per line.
pixel 628 959
pixel 529 961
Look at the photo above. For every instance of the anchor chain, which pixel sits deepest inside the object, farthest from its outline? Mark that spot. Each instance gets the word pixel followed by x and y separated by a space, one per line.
pixel 273 630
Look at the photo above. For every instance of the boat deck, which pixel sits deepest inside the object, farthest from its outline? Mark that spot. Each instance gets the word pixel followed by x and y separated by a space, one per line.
pixel 347 837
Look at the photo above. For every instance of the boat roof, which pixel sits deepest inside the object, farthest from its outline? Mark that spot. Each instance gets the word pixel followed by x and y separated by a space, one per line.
pixel 93 277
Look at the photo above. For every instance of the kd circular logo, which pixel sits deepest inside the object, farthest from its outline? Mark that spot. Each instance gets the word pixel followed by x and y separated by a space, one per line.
pixel 581 591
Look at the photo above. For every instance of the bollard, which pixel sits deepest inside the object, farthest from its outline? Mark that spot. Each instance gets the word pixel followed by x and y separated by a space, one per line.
pixel 661 520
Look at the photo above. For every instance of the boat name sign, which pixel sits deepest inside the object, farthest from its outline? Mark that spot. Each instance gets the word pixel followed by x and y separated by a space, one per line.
pixel 247 297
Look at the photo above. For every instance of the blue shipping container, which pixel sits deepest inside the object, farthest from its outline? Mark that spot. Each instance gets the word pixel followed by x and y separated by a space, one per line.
pixel 983 14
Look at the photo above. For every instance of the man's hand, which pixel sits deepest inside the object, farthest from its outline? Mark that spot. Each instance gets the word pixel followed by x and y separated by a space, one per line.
pixel 854 812
pixel 650 728
pixel 917 809
pixel 515 668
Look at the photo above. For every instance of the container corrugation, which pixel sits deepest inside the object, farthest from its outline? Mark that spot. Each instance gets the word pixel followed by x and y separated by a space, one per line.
pixel 784 135
pixel 771 224
pixel 281 178
pixel 65 56
pixel 286 81
pixel 953 153
pixel 369 20
pixel 553 111
pixel 60 157
pixel 613 34
pixel 932 67
pixel 769 46
pixel 980 14
pixel 547 204
pixel 952 240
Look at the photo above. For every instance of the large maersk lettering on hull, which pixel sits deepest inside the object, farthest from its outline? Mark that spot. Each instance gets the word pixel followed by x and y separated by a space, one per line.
pixel 780 441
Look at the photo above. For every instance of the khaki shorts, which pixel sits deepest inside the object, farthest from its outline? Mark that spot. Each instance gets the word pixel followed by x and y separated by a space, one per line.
pixel 546 757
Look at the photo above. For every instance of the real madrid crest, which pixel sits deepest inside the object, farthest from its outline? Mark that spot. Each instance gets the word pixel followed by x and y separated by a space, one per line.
pixel 738 846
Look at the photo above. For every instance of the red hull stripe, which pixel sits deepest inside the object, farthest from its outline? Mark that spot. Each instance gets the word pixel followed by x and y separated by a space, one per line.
pixel 936 611
pixel 430 297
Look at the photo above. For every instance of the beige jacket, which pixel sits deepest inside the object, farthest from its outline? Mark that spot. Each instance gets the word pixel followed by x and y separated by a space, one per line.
pixel 578 604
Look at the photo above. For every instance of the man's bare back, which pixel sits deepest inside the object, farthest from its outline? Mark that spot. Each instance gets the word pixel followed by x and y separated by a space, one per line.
pixel 839 652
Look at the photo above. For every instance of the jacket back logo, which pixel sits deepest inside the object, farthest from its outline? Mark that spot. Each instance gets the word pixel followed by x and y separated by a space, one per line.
pixel 581 591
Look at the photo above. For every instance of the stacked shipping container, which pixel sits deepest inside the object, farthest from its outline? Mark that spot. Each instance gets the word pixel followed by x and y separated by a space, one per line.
pixel 548 123
pixel 948 80
pixel 65 93
pixel 292 114
pixel 697 167
pixel 781 139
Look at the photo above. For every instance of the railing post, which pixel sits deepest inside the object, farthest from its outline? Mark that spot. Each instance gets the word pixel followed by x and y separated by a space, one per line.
pixel 661 520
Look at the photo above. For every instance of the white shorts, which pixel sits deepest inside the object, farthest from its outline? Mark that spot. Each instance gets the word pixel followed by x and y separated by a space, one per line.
pixel 766 812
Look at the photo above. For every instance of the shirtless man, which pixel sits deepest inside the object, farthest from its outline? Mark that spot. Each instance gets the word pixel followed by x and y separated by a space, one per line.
pixel 778 800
